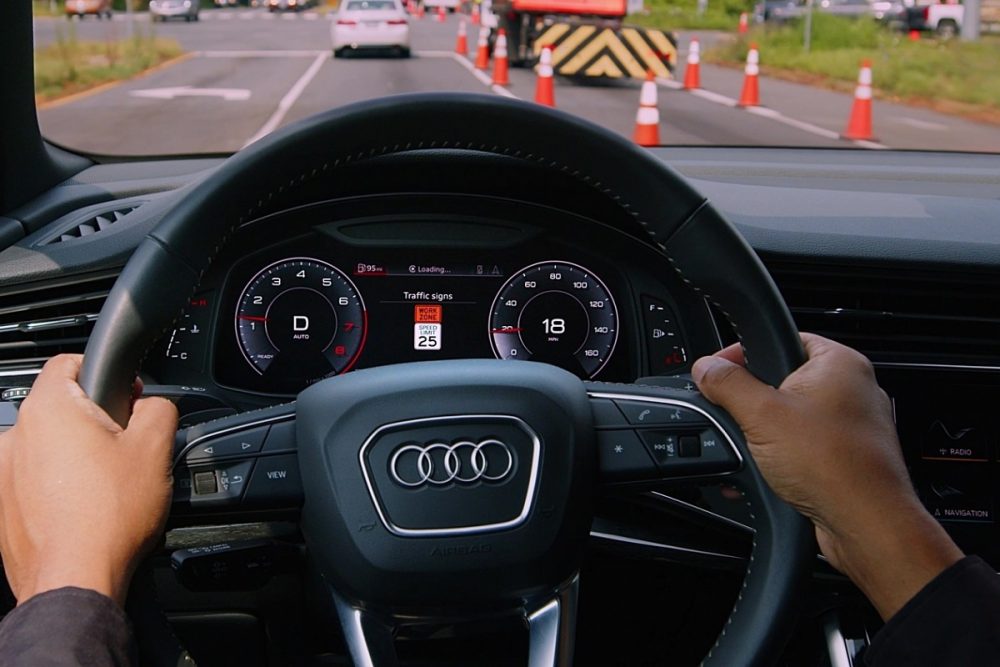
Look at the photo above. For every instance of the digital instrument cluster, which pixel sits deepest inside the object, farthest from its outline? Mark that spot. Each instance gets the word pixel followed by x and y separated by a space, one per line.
pixel 300 319
pixel 297 299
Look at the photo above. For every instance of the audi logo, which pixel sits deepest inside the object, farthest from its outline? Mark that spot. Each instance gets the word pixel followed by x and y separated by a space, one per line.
pixel 439 464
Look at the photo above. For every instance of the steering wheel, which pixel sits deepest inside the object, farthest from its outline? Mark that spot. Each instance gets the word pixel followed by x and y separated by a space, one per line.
pixel 500 460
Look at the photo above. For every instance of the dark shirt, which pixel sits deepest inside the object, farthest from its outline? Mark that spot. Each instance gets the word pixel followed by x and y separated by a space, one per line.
pixel 954 620
pixel 64 627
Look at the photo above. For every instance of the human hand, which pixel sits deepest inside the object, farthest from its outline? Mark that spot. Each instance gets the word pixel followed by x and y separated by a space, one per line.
pixel 81 499
pixel 826 443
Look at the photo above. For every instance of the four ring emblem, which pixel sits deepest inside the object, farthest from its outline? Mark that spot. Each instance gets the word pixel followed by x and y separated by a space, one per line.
pixel 439 463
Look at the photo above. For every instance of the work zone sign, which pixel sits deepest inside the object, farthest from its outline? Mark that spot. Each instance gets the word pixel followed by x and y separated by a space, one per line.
pixel 590 50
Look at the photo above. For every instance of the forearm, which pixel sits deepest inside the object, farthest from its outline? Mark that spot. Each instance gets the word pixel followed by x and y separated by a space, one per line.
pixel 67 627
pixel 892 556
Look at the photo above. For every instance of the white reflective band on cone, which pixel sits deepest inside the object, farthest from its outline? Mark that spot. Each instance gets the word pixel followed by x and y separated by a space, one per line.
pixel 545 63
pixel 500 51
pixel 484 36
pixel 647 116
pixel 693 58
pixel 647 97
pixel 865 76
pixel 752 70
pixel 863 93
pixel 461 28
pixel 753 57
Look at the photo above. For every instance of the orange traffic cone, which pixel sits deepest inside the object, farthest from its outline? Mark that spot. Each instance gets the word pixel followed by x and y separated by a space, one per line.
pixel 914 35
pixel 859 125
pixel 750 97
pixel 744 23
pixel 545 92
pixel 647 119
pixel 475 14
pixel 461 43
pixel 440 14
pixel 500 62
pixel 483 49
pixel 692 75
pixel 411 8
pixel 420 10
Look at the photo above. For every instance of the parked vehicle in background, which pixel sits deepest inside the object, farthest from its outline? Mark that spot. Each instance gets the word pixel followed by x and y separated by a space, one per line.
pixel 450 5
pixel 288 5
pixel 163 10
pixel 780 11
pixel 371 25
pixel 946 19
pixel 81 8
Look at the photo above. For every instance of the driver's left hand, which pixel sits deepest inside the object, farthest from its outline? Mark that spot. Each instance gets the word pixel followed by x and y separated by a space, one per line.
pixel 81 499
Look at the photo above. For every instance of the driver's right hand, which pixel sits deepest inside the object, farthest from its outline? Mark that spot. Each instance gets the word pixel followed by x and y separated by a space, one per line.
pixel 826 443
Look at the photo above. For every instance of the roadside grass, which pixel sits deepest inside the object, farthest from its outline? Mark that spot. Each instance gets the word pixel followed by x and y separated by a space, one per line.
pixel 950 75
pixel 683 15
pixel 69 65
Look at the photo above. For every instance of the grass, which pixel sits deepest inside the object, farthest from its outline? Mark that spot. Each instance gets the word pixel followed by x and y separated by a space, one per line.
pixel 949 75
pixel 683 15
pixel 70 66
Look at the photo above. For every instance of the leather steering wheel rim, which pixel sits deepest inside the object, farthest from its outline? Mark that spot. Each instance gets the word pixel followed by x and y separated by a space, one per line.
pixel 704 249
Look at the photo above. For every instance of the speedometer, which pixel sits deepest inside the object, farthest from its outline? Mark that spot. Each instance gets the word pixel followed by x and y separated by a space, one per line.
pixel 299 320
pixel 556 312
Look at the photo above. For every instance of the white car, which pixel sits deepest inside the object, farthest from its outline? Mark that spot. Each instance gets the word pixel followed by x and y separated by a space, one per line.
pixel 371 24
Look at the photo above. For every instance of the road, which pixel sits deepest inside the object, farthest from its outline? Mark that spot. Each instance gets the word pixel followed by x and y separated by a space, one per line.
pixel 249 72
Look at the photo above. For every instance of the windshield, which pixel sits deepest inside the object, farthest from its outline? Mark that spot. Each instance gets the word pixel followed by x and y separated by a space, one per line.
pixel 196 77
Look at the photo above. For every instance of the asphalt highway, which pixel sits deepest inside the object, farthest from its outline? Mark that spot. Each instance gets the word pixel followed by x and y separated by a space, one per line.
pixel 248 72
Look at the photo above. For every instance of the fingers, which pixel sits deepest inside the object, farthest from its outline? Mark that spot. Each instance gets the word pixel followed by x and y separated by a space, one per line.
pixel 733 353
pixel 153 424
pixel 733 387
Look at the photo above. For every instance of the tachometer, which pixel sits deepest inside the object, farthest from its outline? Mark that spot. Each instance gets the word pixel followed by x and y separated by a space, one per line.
pixel 556 312
pixel 299 320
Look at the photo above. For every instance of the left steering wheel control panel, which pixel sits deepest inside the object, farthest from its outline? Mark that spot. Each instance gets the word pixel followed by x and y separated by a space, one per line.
pixel 246 462
pixel 295 299
pixel 250 462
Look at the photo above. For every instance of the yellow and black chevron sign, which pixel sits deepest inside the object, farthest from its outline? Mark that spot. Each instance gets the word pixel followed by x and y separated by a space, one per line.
pixel 589 50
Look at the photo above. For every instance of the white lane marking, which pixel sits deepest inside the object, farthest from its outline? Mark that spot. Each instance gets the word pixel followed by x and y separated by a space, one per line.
pixel 483 77
pixel 713 97
pixel 288 17
pixel 311 16
pixel 252 53
pixel 288 100
pixel 225 17
pixel 669 83
pixel 228 94
pixel 765 112
pixel 791 122
pixel 922 124
pixel 500 90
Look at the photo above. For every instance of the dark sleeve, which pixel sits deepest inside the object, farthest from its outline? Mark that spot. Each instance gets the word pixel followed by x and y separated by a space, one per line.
pixel 954 620
pixel 65 628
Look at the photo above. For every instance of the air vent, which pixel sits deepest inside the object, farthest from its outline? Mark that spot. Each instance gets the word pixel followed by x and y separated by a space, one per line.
pixel 898 316
pixel 42 321
pixel 93 224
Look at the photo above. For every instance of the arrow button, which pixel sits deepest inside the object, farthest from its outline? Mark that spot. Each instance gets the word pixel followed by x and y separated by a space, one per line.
pixel 234 443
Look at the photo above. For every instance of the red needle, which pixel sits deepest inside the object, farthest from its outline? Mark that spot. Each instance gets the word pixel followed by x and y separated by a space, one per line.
pixel 253 318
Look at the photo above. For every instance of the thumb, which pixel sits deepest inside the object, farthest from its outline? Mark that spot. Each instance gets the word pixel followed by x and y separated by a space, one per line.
pixel 153 424
pixel 733 388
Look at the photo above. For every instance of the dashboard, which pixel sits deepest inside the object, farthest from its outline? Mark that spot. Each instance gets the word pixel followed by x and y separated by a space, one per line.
pixel 321 290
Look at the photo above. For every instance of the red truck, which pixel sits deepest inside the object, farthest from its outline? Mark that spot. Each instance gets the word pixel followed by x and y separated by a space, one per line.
pixel 589 38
